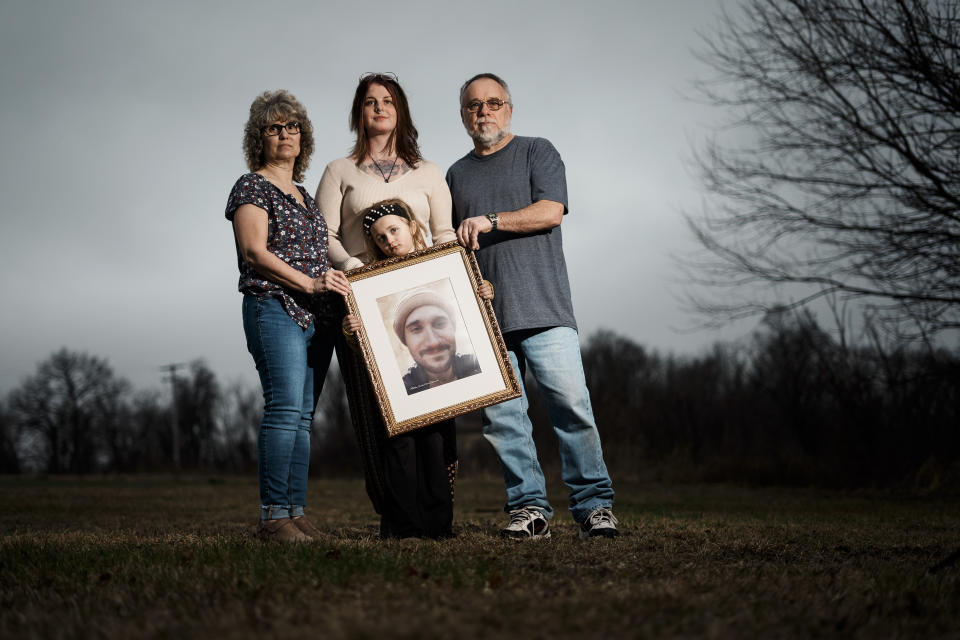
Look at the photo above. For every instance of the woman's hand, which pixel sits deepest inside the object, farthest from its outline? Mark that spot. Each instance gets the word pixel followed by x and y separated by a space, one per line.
pixel 351 323
pixel 332 280
pixel 485 290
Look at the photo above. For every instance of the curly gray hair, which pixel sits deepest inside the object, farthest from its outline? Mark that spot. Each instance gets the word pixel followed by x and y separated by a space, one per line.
pixel 268 108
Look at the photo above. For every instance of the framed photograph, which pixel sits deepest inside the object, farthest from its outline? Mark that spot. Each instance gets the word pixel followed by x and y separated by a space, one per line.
pixel 432 346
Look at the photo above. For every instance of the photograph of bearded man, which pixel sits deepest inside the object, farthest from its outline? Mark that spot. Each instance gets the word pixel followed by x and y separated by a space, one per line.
pixel 426 322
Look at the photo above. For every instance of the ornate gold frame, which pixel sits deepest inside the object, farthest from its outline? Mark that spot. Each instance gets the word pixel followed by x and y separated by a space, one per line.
pixel 491 341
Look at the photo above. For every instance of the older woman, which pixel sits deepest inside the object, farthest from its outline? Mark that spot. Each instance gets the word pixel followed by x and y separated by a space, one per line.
pixel 286 281
pixel 385 164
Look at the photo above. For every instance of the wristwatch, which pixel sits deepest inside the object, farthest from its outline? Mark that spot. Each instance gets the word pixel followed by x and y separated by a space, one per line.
pixel 494 219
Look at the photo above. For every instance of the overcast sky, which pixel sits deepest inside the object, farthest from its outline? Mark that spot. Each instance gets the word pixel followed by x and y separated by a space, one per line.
pixel 121 124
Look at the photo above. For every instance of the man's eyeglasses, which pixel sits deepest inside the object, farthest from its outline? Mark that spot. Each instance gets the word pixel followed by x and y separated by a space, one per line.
pixel 274 129
pixel 493 104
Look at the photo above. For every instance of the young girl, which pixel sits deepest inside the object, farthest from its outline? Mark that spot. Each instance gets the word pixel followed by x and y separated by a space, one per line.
pixel 419 467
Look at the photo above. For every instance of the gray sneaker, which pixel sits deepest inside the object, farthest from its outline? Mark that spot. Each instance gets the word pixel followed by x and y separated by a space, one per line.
pixel 526 523
pixel 601 523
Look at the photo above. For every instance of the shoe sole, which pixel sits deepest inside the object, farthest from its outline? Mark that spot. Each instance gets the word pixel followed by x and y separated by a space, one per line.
pixel 276 539
pixel 519 536
pixel 279 536
pixel 600 533
pixel 522 535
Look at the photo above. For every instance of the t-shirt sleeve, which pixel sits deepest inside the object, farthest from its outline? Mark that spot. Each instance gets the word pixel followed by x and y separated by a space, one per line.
pixel 247 190
pixel 548 176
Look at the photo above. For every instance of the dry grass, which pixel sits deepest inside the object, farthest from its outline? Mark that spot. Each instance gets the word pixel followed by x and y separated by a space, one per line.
pixel 160 557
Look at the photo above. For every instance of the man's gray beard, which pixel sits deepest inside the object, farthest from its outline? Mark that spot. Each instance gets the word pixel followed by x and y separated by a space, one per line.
pixel 491 138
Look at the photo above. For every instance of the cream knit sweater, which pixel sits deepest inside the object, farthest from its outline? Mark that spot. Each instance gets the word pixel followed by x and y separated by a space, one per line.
pixel 345 191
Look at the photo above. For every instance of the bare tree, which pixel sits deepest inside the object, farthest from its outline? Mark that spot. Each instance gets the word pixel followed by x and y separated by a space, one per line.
pixel 620 375
pixel 334 450
pixel 9 459
pixel 150 422
pixel 841 171
pixel 242 409
pixel 68 406
pixel 198 401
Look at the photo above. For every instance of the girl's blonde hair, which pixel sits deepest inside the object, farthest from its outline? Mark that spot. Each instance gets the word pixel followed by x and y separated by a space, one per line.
pixel 401 209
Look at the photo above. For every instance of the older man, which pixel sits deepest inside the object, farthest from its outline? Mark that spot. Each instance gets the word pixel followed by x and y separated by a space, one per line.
pixel 509 198
pixel 426 323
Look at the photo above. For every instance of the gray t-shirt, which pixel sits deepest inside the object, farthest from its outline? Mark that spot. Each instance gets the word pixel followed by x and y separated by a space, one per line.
pixel 528 271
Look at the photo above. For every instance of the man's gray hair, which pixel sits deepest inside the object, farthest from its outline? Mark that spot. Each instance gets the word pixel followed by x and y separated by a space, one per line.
pixel 491 76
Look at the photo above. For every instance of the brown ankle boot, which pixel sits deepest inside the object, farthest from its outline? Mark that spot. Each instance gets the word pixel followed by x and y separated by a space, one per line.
pixel 306 527
pixel 282 530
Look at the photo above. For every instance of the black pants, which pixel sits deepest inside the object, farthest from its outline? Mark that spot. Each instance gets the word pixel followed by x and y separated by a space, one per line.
pixel 409 478
pixel 419 483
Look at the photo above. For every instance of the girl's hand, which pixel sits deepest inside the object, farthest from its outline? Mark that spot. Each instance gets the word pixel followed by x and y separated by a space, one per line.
pixel 351 323
pixel 485 290
pixel 332 280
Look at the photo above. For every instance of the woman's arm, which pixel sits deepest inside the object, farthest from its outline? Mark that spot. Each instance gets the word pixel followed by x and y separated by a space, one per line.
pixel 330 199
pixel 441 210
pixel 250 226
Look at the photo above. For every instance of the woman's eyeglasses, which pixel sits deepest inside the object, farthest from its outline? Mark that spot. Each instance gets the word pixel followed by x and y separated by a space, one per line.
pixel 274 129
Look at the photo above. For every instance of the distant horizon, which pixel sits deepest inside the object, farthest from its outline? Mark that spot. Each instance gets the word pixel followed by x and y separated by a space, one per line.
pixel 250 377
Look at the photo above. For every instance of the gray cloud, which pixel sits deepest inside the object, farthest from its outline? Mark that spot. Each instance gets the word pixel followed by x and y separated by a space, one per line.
pixel 122 121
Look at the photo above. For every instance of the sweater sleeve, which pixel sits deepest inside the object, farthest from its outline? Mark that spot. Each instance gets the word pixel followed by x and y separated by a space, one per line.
pixel 330 199
pixel 441 209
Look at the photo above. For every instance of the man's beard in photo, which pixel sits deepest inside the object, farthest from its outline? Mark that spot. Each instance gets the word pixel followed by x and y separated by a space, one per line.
pixel 448 363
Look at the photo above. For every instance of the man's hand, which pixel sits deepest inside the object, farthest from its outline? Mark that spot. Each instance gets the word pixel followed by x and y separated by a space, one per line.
pixel 470 229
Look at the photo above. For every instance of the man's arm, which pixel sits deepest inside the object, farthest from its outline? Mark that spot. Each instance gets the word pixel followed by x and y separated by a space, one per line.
pixel 541 215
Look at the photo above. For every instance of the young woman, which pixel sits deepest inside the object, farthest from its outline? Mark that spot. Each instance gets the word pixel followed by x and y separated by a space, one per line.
pixel 385 162
pixel 419 467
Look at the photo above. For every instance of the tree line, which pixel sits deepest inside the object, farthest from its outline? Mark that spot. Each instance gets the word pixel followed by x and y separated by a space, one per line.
pixel 792 404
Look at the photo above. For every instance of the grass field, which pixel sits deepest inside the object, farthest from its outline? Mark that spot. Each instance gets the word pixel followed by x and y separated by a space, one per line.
pixel 163 557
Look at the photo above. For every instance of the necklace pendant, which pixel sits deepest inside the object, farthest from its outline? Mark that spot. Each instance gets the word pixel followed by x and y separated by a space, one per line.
pixel 386 176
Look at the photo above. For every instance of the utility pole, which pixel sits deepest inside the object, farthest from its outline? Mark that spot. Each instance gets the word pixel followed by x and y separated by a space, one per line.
pixel 171 370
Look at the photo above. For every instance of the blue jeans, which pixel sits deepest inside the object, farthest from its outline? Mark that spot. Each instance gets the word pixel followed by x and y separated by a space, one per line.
pixel 554 359
pixel 292 363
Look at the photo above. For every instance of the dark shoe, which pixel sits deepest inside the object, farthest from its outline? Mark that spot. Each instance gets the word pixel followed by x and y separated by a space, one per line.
pixel 307 528
pixel 282 530
pixel 601 523
pixel 527 523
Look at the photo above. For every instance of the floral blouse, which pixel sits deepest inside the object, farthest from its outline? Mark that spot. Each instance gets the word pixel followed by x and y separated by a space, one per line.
pixel 296 234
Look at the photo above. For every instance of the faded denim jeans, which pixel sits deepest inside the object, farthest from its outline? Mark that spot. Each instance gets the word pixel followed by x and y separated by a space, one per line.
pixel 553 356
pixel 292 363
